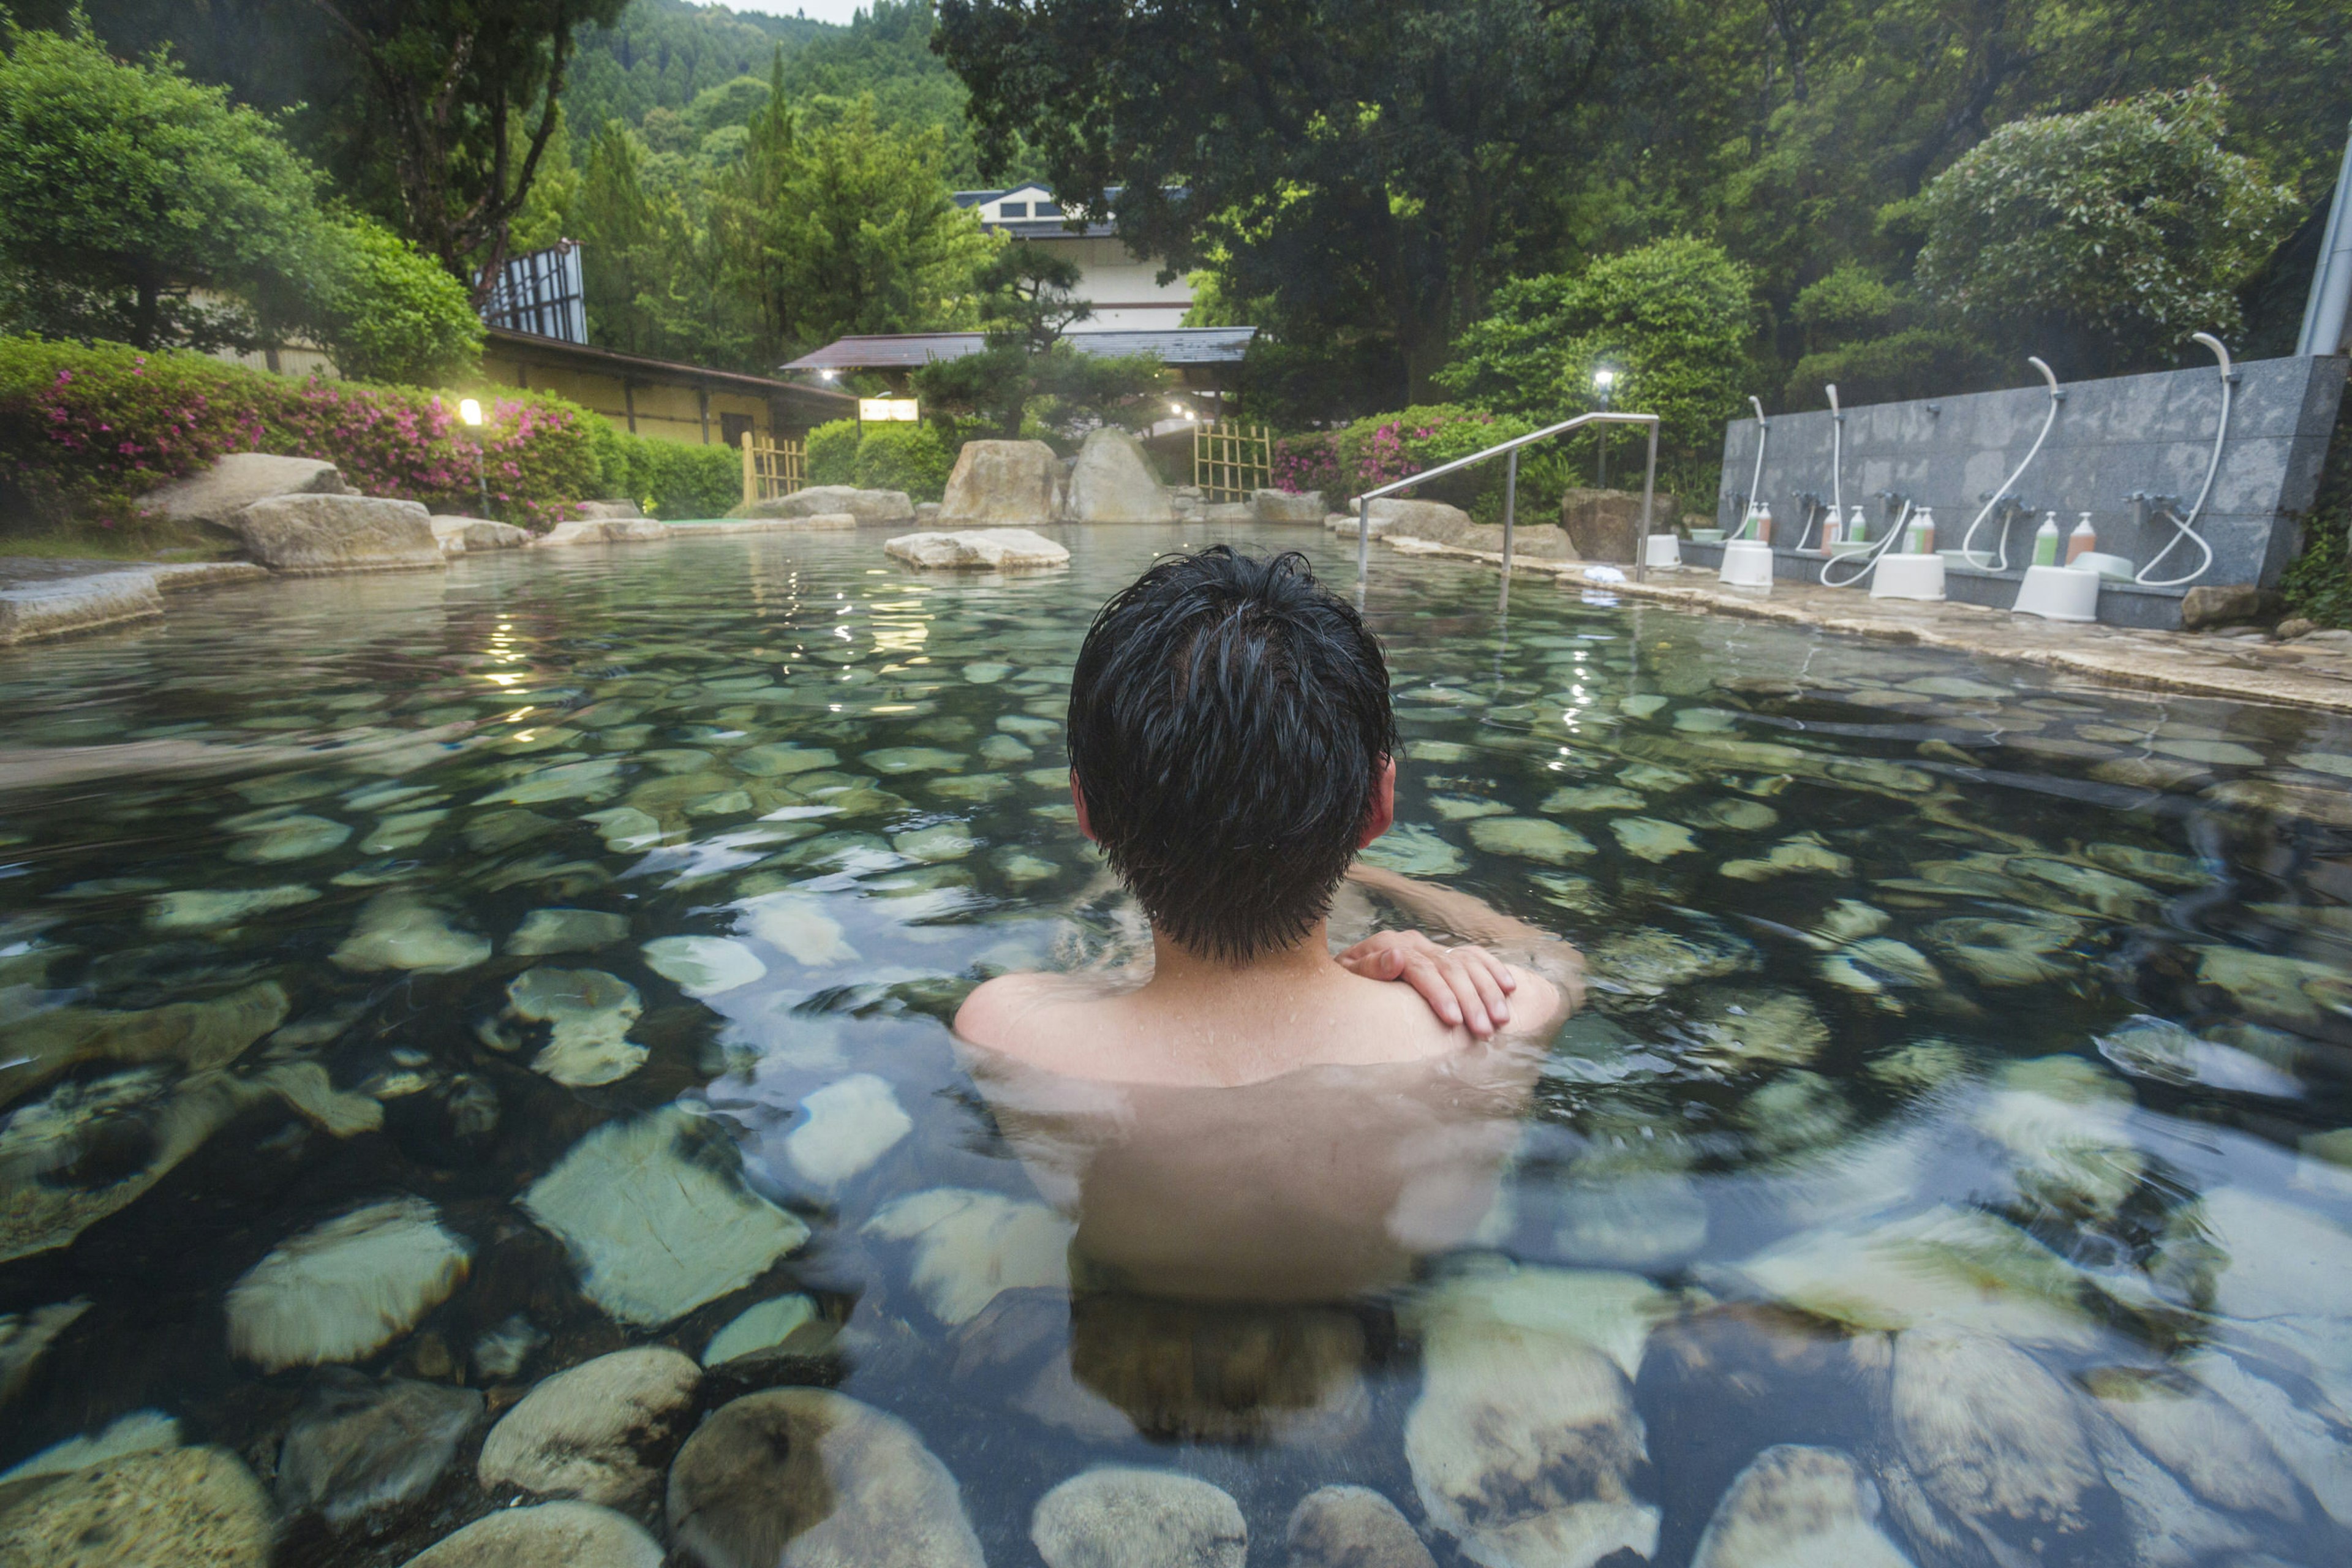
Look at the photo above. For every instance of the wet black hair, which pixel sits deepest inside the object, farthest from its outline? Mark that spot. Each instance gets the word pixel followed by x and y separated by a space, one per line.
pixel 1229 718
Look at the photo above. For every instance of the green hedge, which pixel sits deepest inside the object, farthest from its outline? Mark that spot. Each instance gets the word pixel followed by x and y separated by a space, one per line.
pixel 84 430
pixel 668 478
pixel 910 458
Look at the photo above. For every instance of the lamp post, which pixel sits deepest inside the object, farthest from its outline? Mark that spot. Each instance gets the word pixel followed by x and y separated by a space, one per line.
pixel 470 412
pixel 1604 381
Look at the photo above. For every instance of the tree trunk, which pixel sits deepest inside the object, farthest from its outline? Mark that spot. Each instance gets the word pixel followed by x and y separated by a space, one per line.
pixel 147 316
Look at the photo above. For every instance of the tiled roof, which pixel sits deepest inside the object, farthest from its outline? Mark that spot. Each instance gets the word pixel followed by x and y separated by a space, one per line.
pixel 1175 345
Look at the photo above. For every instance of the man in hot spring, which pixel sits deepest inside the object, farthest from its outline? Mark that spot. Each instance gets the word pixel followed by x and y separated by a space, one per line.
pixel 1253 1116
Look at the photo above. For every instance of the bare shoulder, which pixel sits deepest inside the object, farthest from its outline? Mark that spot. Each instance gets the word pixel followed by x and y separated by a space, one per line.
pixel 994 1011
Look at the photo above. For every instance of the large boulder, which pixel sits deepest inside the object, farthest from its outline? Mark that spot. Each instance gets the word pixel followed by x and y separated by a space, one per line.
pixel 867 506
pixel 606 510
pixel 980 549
pixel 805 1478
pixel 1284 506
pixel 42 603
pixel 614 530
pixel 235 481
pixel 1431 520
pixel 1002 481
pixel 310 535
pixel 459 534
pixel 1112 482
pixel 1606 525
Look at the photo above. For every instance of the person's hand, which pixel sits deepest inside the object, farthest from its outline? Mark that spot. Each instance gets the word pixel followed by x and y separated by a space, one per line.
pixel 1464 985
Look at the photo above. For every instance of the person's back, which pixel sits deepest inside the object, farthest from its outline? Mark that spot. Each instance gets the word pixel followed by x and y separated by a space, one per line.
pixel 1231 748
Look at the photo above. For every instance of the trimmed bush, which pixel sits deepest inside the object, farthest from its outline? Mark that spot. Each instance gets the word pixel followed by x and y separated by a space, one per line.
pixel 668 478
pixel 85 430
pixel 910 458
pixel 833 452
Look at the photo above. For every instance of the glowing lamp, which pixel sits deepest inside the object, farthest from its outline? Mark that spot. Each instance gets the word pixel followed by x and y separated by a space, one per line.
pixel 469 411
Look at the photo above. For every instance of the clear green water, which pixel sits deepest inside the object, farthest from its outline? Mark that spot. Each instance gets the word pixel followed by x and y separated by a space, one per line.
pixel 1956 1094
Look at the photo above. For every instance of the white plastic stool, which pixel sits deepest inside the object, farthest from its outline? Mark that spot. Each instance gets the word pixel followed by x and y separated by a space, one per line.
pixel 2059 593
pixel 1907 577
pixel 1747 563
pixel 1662 550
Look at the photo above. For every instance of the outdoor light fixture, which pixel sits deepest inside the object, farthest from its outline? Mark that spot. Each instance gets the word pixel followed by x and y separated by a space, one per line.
pixel 825 375
pixel 470 412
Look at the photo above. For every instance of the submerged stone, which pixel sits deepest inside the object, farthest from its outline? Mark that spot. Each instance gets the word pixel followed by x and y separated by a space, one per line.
pixel 972 1245
pixel 1796 1507
pixel 1992 1436
pixel 25 1336
pixel 140 1432
pixel 503 1348
pixel 850 1125
pixel 771 1326
pixel 1945 1266
pixel 207 908
pixel 783 760
pixel 2293 993
pixel 1739 815
pixel 344 1289
pixel 1632 1219
pixel 397 931
pixel 357 1445
pixel 914 759
pixel 1413 850
pixel 2158 1049
pixel 804 1478
pixel 1652 840
pixel 1352 1527
pixel 544 931
pixel 1529 838
pixel 296 837
pixel 592 1432
pixel 1649 963
pixel 2009 952
pixel 2199 1437
pixel 654 1210
pixel 1593 797
pixel 797 925
pixel 1738 1028
pixel 703 966
pixel 1805 852
pixel 1524 1435
pixel 551 1535
pixel 945 841
pixel 588 1014
pixel 1116 1517
pixel 189 1508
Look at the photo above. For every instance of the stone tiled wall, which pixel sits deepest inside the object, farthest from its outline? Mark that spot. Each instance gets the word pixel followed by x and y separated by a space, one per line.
pixel 2151 433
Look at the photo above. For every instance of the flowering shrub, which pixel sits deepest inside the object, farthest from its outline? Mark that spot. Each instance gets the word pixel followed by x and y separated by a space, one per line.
pixel 1382 448
pixel 85 430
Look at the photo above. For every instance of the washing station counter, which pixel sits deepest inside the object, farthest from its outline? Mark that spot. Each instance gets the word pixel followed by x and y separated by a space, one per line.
pixel 2135 452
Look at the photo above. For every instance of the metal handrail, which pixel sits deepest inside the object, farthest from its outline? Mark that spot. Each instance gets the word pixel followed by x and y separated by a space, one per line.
pixel 1511 490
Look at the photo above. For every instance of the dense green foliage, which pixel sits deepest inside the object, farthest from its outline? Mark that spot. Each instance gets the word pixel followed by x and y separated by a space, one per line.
pixel 384 311
pixel 147 210
pixel 129 188
pixel 666 478
pixel 2105 237
pixel 83 430
pixel 1377 174
pixel 1671 322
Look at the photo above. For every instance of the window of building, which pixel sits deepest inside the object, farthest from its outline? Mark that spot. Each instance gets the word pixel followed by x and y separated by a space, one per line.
pixel 734 427
pixel 1012 209
pixel 1047 209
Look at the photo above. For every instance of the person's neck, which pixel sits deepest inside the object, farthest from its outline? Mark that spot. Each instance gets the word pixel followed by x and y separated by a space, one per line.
pixel 1181 975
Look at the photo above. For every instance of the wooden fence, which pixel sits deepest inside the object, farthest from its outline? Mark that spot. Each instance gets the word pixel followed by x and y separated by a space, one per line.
pixel 772 469
pixel 1231 461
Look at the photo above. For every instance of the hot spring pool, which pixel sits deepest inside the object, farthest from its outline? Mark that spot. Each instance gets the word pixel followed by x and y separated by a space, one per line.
pixel 437 982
